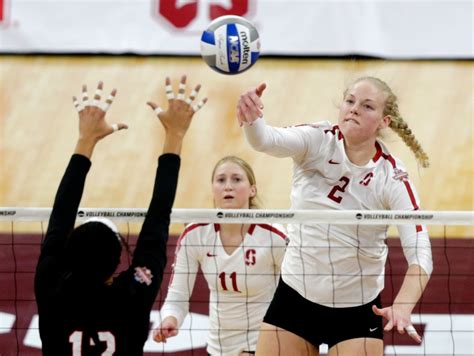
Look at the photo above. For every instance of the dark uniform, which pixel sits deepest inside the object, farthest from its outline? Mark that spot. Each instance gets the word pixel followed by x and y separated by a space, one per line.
pixel 77 319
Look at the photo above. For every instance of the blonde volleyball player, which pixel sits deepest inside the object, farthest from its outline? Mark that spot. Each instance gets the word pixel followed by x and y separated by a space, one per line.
pixel 241 264
pixel 332 275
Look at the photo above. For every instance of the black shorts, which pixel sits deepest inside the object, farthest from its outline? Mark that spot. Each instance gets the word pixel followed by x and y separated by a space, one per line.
pixel 319 324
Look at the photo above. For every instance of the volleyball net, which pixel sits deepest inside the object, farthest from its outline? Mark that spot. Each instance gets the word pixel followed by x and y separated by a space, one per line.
pixel 444 316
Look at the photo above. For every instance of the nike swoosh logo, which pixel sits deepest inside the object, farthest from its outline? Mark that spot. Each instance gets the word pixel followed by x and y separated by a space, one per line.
pixel 332 162
pixel 372 330
pixel 210 255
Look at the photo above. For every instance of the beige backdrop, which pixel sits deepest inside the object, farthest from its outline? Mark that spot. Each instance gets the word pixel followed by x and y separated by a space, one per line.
pixel 38 125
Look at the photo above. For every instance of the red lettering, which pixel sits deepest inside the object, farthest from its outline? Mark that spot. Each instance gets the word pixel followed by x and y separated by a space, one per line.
pixel 332 194
pixel 2 10
pixel 250 257
pixel 179 17
pixel 238 7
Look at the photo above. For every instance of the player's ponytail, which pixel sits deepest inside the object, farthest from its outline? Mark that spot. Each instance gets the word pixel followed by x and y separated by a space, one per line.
pixel 397 123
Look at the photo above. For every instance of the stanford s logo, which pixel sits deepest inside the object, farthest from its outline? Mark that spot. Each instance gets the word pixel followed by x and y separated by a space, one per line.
pixel 250 257
pixel 180 13
pixel 3 12
pixel 366 179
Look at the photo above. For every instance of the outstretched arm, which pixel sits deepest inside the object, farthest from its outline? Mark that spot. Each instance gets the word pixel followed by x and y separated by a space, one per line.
pixel 150 252
pixel 92 128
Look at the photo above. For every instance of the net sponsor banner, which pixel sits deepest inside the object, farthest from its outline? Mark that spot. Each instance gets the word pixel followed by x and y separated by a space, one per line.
pixel 382 28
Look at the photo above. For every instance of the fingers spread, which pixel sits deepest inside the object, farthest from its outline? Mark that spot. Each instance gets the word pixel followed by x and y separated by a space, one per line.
pixel 155 107
pixel 79 106
pixel 182 88
pixel 85 96
pixel 199 105
pixel 389 326
pixel 98 94
pixel 119 126
pixel 193 94
pixel 169 89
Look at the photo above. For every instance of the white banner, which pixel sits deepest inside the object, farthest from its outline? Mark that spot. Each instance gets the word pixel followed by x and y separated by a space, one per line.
pixel 404 29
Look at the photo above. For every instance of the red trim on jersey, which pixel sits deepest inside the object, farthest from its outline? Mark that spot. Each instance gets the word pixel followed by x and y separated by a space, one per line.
pixel 183 234
pixel 419 228
pixel 251 229
pixel 379 152
pixel 217 227
pixel 272 229
pixel 411 194
pixel 407 184
pixel 390 159
pixel 335 129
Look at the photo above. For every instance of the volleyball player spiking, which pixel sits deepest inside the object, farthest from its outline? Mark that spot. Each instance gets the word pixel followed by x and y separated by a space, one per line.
pixel 332 275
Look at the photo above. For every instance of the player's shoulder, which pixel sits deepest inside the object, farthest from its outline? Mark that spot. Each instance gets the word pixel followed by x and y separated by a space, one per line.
pixel 196 229
pixel 273 231
pixel 392 166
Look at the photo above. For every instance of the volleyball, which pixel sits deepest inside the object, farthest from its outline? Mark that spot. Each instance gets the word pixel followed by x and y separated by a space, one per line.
pixel 230 44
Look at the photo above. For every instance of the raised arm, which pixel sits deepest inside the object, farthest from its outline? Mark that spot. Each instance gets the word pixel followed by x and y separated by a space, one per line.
pixel 150 253
pixel 92 128
pixel 279 142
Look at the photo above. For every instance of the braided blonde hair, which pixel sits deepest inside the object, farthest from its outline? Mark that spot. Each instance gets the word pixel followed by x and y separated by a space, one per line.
pixel 397 123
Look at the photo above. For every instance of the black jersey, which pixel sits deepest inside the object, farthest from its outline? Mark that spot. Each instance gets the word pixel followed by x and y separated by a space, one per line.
pixel 109 319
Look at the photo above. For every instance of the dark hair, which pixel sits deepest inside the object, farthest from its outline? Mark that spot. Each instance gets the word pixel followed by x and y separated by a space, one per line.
pixel 93 252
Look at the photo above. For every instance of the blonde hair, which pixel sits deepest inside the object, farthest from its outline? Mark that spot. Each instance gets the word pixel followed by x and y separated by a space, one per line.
pixel 397 123
pixel 253 201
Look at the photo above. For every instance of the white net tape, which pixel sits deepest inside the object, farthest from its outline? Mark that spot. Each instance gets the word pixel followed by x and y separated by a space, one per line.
pixel 238 216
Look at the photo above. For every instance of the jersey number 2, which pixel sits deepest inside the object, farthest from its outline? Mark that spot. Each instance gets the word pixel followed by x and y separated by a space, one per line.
pixel 76 340
pixel 338 188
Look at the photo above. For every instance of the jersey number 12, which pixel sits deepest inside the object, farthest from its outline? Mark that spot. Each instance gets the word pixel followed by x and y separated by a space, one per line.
pixel 76 340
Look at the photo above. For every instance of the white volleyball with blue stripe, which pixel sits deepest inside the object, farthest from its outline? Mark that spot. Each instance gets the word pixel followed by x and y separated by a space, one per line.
pixel 230 45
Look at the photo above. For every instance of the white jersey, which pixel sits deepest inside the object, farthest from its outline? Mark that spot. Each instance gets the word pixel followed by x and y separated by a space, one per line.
pixel 241 284
pixel 340 265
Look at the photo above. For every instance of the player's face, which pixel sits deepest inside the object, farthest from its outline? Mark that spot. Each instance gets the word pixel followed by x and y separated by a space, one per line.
pixel 361 113
pixel 231 187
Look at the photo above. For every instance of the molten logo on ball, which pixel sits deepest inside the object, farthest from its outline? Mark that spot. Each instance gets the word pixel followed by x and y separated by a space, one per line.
pixel 230 45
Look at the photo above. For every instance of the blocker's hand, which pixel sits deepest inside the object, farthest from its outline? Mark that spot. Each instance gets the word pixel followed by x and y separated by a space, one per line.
pixel 177 117
pixel 92 124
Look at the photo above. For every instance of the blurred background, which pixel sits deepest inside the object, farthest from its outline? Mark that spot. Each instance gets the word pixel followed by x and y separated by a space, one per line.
pixel 311 50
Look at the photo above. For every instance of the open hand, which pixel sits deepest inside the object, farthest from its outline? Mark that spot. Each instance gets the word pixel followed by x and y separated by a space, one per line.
pixel 92 124
pixel 177 117
pixel 398 318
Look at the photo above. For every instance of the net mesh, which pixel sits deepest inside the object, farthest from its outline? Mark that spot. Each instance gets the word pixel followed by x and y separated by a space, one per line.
pixel 444 316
